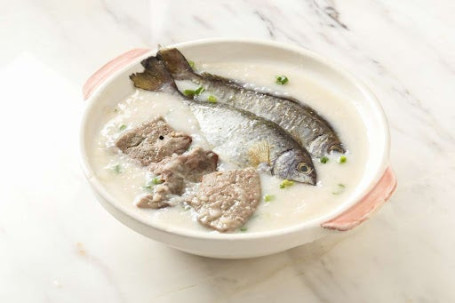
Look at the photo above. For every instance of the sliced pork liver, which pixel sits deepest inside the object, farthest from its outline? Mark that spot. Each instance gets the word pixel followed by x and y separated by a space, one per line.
pixel 227 199
pixel 175 172
pixel 152 142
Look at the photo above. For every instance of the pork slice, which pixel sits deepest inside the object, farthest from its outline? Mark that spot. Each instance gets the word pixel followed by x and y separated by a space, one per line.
pixel 190 166
pixel 157 200
pixel 175 172
pixel 153 141
pixel 227 199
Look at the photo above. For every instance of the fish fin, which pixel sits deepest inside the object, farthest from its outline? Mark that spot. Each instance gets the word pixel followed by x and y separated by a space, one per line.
pixel 259 153
pixel 154 77
pixel 177 65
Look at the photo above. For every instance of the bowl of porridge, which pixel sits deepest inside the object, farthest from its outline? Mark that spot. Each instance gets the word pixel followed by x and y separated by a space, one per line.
pixel 234 148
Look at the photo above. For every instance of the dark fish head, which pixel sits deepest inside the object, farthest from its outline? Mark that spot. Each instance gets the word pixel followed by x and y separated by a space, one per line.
pixel 326 144
pixel 176 63
pixel 295 165
pixel 155 77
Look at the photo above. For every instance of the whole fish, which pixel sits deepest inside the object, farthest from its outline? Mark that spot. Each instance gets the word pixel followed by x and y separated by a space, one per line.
pixel 243 137
pixel 302 122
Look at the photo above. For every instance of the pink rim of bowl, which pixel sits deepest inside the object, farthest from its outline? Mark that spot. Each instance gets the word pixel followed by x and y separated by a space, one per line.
pixel 347 220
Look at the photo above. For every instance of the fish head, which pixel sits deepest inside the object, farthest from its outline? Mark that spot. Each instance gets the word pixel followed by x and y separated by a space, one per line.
pixel 295 165
pixel 177 65
pixel 326 144
pixel 155 77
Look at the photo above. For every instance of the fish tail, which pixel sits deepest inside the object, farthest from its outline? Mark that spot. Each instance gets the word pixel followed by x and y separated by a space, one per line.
pixel 176 63
pixel 155 76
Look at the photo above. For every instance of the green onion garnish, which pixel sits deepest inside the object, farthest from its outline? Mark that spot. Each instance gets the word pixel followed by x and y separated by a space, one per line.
pixel 286 183
pixel 191 63
pixel 339 190
pixel 342 159
pixel 212 99
pixel 188 92
pixel 117 168
pixel 122 127
pixel 281 80
pixel 199 91
pixel 324 160
pixel 192 93
pixel 268 198
pixel 156 181
pixel 243 229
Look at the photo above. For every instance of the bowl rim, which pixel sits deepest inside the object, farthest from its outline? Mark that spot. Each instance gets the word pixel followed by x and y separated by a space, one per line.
pixel 213 235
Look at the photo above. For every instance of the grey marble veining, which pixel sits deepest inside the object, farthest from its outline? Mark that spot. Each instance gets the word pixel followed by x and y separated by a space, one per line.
pixel 58 245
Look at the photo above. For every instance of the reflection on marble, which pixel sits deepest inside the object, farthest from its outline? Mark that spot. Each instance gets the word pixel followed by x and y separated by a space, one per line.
pixel 58 245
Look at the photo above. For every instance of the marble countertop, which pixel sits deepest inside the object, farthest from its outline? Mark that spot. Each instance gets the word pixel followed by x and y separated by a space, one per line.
pixel 57 244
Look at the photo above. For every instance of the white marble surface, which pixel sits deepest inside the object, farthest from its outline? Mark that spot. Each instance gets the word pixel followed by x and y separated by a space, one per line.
pixel 57 244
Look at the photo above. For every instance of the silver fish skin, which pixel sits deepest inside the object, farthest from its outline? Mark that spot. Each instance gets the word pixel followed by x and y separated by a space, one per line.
pixel 302 122
pixel 237 134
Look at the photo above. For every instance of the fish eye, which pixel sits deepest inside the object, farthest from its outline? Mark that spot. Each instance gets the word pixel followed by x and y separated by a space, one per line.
pixel 304 168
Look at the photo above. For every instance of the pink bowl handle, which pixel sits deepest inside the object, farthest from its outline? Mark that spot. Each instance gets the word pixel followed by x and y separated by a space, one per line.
pixel 104 72
pixel 366 207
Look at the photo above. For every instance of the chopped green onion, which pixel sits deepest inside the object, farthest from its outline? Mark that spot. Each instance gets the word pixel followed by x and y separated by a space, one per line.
pixel 324 160
pixel 268 198
pixel 199 90
pixel 286 183
pixel 117 168
pixel 156 181
pixel 342 159
pixel 212 99
pixel 191 63
pixel 122 127
pixel 340 189
pixel 243 229
pixel 188 92
pixel 281 80
pixel 192 93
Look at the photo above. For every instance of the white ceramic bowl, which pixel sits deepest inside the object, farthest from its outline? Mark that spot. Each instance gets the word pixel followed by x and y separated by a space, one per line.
pixel 110 84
